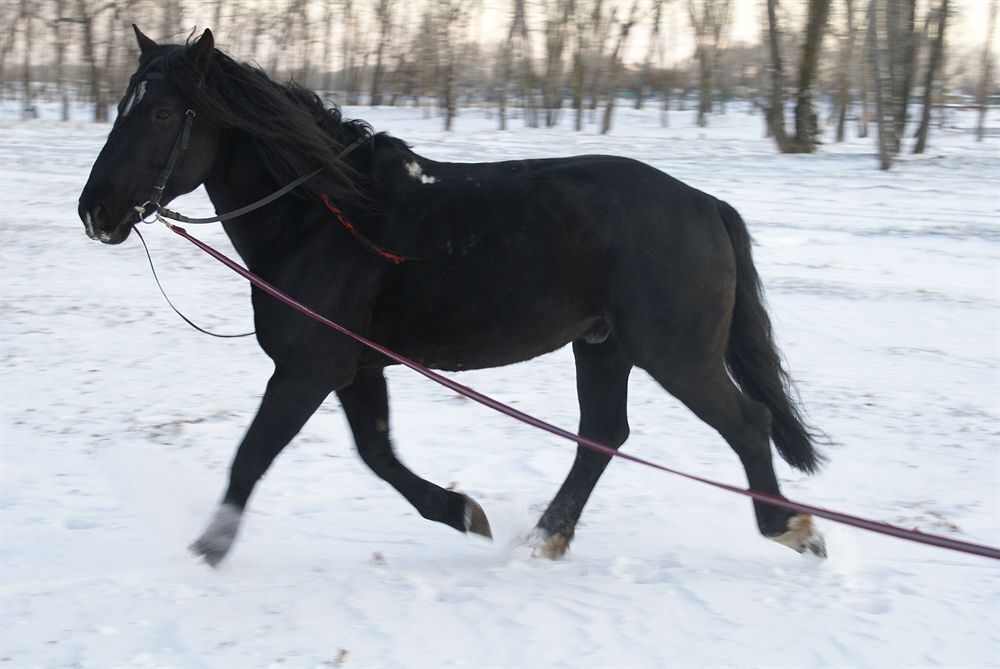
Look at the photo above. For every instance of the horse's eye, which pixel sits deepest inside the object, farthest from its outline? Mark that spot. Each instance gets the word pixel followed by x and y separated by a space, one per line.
pixel 163 114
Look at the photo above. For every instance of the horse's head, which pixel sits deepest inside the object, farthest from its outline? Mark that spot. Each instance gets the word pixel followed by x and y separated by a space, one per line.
pixel 154 120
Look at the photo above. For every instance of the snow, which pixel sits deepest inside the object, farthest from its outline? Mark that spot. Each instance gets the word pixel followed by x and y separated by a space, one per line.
pixel 119 421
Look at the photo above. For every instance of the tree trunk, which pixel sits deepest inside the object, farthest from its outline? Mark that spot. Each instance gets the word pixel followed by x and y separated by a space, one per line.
pixel 864 118
pixel 327 47
pixel 654 45
pixel 28 109
pixel 503 84
pixel 90 60
pixel 902 47
pixel 614 65
pixel 806 127
pixel 986 79
pixel 60 43
pixel 846 71
pixel 775 112
pixel 560 13
pixel 577 78
pixel 879 59
pixel 933 65
pixel 705 70
pixel 709 19
pixel 384 16
pixel 10 37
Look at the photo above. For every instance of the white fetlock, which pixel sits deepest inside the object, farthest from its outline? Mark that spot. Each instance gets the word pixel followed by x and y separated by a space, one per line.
pixel 802 536
pixel 218 537
pixel 546 545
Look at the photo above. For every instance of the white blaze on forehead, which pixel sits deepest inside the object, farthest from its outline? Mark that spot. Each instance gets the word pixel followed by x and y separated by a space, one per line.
pixel 417 173
pixel 134 98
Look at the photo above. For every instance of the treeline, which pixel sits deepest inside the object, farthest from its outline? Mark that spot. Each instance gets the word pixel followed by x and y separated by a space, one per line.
pixel 880 66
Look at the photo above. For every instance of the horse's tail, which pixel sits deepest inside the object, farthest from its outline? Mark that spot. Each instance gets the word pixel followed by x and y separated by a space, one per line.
pixel 753 359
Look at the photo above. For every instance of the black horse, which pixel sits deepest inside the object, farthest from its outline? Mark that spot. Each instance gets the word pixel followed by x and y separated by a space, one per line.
pixel 458 266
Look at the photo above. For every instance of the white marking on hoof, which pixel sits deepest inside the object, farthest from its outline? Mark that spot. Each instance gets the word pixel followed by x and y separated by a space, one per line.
pixel 545 545
pixel 417 172
pixel 218 537
pixel 802 536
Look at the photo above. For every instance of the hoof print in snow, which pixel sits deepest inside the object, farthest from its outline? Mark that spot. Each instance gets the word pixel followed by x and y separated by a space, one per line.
pixel 802 536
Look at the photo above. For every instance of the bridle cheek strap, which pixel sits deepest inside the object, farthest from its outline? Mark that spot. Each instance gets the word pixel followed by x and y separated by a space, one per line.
pixel 178 149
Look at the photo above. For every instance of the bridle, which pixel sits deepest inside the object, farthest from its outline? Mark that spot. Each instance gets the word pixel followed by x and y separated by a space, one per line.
pixel 150 211
pixel 152 203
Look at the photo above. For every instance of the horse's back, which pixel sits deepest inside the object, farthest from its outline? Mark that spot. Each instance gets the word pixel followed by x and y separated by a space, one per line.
pixel 525 256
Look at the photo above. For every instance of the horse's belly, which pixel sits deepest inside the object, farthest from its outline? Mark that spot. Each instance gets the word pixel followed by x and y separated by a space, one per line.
pixel 479 331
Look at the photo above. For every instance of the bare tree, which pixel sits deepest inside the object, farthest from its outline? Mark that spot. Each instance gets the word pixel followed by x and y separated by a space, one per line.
pixel 383 17
pixel 515 56
pixel 602 25
pixel 986 73
pixel 327 64
pixel 615 65
pixel 452 17
pixel 28 109
pixel 846 70
pixel 86 19
pixel 709 19
pixel 350 80
pixel 902 42
pixel 880 63
pixel 775 107
pixel 654 47
pixel 806 127
pixel 59 29
pixel 864 117
pixel 10 33
pixel 937 19
pixel 557 19
pixel 170 17
pixel 589 25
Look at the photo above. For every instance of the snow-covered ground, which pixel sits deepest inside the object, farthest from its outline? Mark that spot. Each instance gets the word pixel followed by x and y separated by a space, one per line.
pixel 119 421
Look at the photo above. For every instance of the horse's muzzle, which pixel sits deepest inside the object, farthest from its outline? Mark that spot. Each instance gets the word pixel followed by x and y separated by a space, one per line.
pixel 98 223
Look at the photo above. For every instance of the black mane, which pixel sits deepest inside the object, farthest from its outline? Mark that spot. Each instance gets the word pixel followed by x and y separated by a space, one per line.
pixel 289 126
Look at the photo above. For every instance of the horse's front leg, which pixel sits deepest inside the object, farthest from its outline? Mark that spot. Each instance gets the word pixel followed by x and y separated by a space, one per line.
pixel 366 404
pixel 288 402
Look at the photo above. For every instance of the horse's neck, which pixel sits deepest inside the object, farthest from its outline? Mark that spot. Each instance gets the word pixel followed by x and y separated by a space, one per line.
pixel 238 180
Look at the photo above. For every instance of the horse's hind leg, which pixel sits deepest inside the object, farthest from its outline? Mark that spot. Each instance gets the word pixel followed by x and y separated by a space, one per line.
pixel 602 388
pixel 366 404
pixel 745 424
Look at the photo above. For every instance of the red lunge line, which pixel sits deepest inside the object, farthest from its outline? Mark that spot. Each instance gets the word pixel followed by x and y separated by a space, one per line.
pixel 367 243
pixel 781 502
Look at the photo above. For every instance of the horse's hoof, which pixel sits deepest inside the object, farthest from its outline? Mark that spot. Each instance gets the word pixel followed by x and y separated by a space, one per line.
pixel 215 542
pixel 802 536
pixel 475 519
pixel 545 545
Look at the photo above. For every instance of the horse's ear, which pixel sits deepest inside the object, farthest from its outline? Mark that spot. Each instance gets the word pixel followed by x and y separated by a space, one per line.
pixel 200 52
pixel 145 44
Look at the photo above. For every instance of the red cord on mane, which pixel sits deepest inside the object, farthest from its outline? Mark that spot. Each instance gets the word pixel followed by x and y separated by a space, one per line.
pixel 367 243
